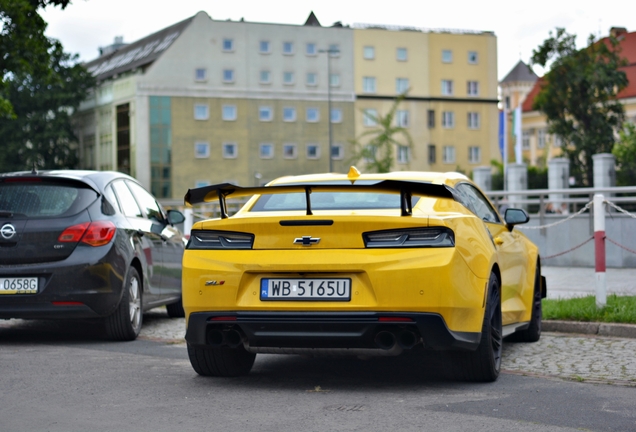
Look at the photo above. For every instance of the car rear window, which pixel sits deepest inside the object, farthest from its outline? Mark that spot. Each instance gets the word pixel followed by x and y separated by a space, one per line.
pixel 329 201
pixel 43 199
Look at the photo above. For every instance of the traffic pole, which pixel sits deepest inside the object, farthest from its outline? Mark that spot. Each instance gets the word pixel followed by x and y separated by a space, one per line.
pixel 599 250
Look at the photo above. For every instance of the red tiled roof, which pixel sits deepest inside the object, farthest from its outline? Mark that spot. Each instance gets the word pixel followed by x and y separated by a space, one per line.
pixel 628 51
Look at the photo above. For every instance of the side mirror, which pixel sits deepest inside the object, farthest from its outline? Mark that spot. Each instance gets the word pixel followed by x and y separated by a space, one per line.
pixel 175 217
pixel 515 216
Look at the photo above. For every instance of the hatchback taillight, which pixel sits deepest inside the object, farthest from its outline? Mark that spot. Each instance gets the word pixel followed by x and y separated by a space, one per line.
pixel 92 233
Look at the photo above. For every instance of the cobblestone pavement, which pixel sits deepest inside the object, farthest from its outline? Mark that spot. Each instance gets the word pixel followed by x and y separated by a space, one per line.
pixel 581 358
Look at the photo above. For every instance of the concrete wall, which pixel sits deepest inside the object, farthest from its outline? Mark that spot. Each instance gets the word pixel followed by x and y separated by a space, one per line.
pixel 551 241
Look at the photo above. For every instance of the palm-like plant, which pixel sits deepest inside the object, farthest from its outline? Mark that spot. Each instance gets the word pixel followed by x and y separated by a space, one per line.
pixel 378 151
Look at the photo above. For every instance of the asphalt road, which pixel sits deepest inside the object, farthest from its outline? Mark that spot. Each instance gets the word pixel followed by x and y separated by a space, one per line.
pixel 64 377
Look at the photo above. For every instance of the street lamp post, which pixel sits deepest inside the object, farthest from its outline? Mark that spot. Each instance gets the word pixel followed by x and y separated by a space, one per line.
pixel 329 52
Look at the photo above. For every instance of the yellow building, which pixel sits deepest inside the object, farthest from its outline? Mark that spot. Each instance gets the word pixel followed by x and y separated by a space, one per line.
pixel 451 107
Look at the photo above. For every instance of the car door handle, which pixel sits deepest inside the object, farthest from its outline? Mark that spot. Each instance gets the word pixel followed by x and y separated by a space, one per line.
pixel 498 241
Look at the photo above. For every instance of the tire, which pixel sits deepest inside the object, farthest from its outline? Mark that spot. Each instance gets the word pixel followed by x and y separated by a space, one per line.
pixel 484 363
pixel 175 310
pixel 125 323
pixel 533 332
pixel 220 362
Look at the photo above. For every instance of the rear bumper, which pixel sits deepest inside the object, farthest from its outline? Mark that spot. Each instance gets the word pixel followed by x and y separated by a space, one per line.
pixel 326 330
pixel 88 284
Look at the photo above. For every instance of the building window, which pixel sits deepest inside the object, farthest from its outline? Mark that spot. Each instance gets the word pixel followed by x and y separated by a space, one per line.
pixel 288 78
pixel 265 113
pixel 334 50
pixel 288 48
pixel 403 154
pixel 368 52
pixel 474 154
pixel 266 150
pixel 265 77
pixel 313 151
pixel 432 154
pixel 525 140
pixel 201 150
pixel 449 155
pixel 312 79
pixel 402 118
pixel 370 117
pixel 310 49
pixel 334 80
pixel 264 47
pixel 368 84
pixel 228 75
pixel 447 56
pixel 401 85
pixel 230 150
pixel 401 54
pixel 541 138
pixel 337 151
pixel 472 57
pixel 448 119
pixel 472 88
pixel 160 145
pixel 473 120
pixel 201 112
pixel 557 142
pixel 289 114
pixel 200 74
pixel 447 87
pixel 336 115
pixel 369 153
pixel 290 151
pixel 431 119
pixel 229 112
pixel 228 45
pixel 312 115
pixel 507 102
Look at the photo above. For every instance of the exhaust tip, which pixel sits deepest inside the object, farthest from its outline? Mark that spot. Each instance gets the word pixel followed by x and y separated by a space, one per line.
pixel 407 339
pixel 233 338
pixel 385 340
pixel 215 338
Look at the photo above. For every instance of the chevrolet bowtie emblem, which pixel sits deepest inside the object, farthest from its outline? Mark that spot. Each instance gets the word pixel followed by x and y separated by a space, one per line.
pixel 306 240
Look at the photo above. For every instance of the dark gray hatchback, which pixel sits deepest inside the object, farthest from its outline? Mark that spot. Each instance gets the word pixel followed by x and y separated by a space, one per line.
pixel 87 244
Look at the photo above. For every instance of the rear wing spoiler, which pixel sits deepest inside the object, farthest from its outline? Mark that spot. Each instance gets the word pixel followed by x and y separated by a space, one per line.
pixel 406 189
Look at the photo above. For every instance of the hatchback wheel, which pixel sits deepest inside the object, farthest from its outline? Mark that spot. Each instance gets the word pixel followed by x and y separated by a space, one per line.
pixel 125 323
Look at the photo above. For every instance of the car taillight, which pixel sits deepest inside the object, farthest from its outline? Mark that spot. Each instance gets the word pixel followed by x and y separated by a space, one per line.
pixel 92 233
pixel 74 233
pixel 413 237
pixel 204 239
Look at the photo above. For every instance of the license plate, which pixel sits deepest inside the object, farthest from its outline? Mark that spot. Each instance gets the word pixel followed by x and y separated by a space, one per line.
pixel 306 289
pixel 18 285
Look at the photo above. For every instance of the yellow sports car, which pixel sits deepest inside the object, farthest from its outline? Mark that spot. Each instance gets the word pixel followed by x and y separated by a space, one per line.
pixel 359 264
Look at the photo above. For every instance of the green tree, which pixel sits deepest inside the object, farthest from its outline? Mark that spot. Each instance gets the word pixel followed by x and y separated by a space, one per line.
pixel 23 45
pixel 41 134
pixel 376 146
pixel 625 152
pixel 578 96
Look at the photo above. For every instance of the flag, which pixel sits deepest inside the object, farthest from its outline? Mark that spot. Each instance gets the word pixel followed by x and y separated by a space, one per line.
pixel 502 131
pixel 516 128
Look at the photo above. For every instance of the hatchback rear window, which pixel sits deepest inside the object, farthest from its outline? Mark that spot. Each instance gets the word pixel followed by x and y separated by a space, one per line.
pixel 329 201
pixel 43 199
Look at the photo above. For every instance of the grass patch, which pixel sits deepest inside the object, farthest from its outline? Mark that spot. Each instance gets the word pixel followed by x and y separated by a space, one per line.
pixel 619 309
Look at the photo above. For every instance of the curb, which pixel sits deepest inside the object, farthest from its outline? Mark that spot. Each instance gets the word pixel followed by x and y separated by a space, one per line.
pixel 591 328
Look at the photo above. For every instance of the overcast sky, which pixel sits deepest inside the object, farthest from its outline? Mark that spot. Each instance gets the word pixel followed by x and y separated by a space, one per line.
pixel 520 26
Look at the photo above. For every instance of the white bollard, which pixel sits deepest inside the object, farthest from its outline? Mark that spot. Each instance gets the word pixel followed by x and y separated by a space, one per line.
pixel 599 250
pixel 189 221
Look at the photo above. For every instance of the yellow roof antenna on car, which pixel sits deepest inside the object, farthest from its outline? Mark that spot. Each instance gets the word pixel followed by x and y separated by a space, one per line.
pixel 354 173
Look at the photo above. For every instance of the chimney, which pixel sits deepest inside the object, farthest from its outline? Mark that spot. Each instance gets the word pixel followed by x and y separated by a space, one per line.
pixel 615 32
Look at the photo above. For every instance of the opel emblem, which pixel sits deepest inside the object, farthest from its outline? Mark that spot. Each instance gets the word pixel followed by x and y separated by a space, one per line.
pixel 7 231
pixel 306 240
